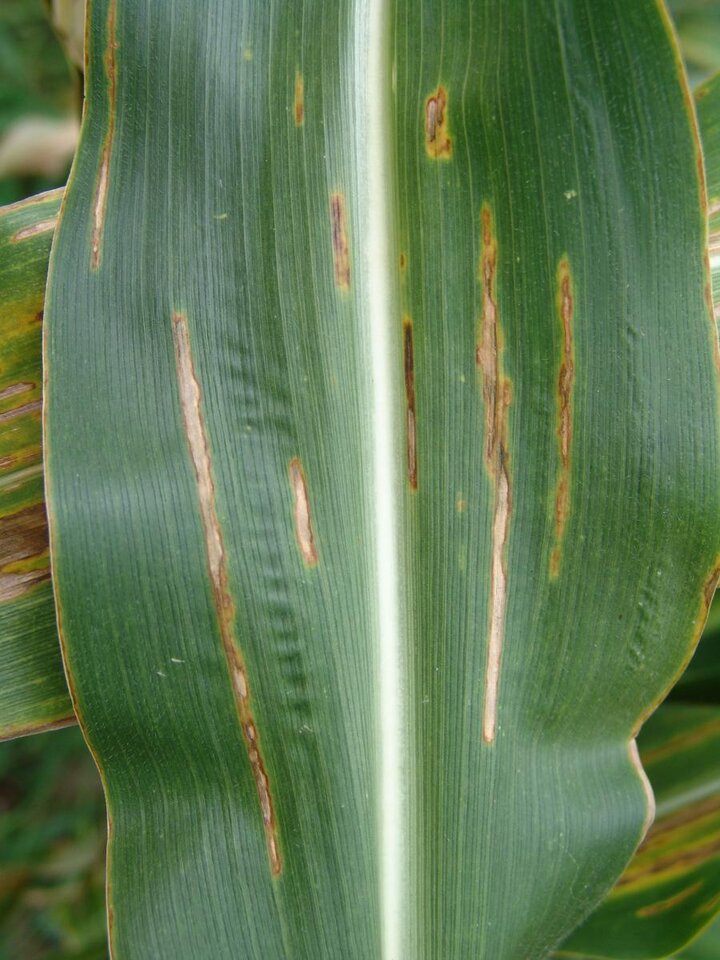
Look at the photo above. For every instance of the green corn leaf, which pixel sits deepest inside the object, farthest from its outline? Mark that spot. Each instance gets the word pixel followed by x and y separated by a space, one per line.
pixel 33 694
pixel 381 447
pixel 706 947
pixel 671 889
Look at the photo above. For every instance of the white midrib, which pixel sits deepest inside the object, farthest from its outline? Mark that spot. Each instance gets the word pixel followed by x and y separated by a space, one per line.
pixel 380 289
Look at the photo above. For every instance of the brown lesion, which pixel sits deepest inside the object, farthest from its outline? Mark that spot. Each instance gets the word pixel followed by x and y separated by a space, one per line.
pixel 32 406
pixel 497 397
pixel 410 422
pixel 13 389
pixel 565 306
pixel 304 533
pixel 103 177
pixel 438 143
pixel 23 551
pixel 27 233
pixel 199 449
pixel 299 99
pixel 340 243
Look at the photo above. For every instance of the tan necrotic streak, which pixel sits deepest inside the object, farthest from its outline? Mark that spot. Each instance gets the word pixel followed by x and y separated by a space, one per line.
pixel 191 404
pixel 26 233
pixel 303 519
pixel 565 309
pixel 103 178
pixel 341 248
pixel 299 99
pixel 437 140
pixel 34 406
pixel 410 423
pixel 497 395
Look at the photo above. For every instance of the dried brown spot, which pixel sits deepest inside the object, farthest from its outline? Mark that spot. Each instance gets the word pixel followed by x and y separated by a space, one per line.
pixel 23 538
pixel 565 309
pixel 497 396
pixel 438 143
pixel 199 449
pixel 34 406
pixel 403 261
pixel 299 99
pixel 303 519
pixel 44 226
pixel 410 424
pixel 103 179
pixel 662 906
pixel 341 248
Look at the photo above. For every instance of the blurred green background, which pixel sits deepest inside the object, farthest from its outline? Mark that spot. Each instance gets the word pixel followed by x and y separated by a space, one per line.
pixel 52 821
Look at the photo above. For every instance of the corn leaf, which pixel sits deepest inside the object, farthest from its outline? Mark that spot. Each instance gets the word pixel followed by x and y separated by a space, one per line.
pixel 706 947
pixel 381 449
pixel 701 681
pixel 671 890
pixel 33 694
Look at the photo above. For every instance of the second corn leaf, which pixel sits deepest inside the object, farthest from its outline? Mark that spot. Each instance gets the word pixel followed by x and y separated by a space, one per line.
pixel 33 693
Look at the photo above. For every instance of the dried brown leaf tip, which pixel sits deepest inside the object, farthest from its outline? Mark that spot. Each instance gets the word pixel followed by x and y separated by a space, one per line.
pixel 438 143
pixel 103 178
pixel 410 425
pixel 340 244
pixel 565 306
pixel 497 396
pixel 299 99
pixel 301 511
pixel 190 395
